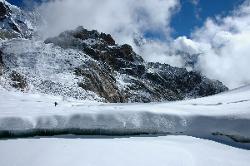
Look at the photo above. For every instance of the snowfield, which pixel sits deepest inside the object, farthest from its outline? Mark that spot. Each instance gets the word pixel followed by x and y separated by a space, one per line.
pixel 140 151
pixel 186 131
pixel 221 116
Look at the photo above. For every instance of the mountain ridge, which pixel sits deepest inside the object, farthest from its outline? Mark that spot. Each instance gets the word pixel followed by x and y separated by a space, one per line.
pixel 90 65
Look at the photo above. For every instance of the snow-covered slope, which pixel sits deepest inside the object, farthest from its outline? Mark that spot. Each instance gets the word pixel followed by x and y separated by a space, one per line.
pixel 85 64
pixel 88 64
pixel 16 23
pixel 224 117
pixel 108 151
pixel 43 68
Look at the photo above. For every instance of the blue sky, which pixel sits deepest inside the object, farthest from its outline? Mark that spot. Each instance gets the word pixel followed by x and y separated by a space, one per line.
pixel 191 15
pixel 16 2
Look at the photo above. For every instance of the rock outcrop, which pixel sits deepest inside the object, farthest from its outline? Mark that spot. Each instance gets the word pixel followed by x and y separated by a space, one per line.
pixel 123 76
pixel 14 23
pixel 18 81
pixel 4 11
pixel 88 65
pixel 1 63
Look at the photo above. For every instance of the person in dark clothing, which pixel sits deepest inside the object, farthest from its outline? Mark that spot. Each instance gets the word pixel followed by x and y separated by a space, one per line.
pixel 56 104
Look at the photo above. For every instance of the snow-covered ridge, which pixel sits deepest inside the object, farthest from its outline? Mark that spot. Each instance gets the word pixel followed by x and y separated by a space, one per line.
pixel 48 69
pixel 15 22
pixel 87 64
pixel 222 117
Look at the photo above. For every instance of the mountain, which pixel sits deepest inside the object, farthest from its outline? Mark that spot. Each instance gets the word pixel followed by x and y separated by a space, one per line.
pixel 88 65
pixel 14 22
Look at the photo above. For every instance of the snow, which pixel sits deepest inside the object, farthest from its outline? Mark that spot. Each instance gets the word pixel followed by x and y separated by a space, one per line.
pixel 205 131
pixel 22 20
pixel 48 69
pixel 188 128
pixel 224 118
pixel 122 81
pixel 106 151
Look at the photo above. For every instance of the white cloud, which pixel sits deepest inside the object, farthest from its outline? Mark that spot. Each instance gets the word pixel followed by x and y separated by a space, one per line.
pixel 158 51
pixel 195 2
pixel 225 43
pixel 187 45
pixel 121 18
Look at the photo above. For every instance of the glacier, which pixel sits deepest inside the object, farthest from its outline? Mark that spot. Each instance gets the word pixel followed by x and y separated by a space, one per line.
pixel 205 131
pixel 106 151
pixel 224 117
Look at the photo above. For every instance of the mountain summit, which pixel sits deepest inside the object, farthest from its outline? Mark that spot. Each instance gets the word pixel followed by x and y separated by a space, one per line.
pixel 89 65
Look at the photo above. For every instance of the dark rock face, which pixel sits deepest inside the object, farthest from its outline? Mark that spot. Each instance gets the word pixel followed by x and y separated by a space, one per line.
pixel 143 82
pixel 99 79
pixel 18 81
pixel 108 39
pixel 1 63
pixel 13 22
pixel 14 27
pixel 4 10
pixel 114 72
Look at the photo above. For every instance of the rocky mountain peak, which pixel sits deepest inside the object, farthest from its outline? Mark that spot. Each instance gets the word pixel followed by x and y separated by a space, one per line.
pixel 4 10
pixel 89 65
pixel 84 34
pixel 14 22
pixel 144 82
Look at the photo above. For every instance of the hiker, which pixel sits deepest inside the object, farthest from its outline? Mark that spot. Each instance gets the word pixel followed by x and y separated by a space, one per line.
pixel 56 104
